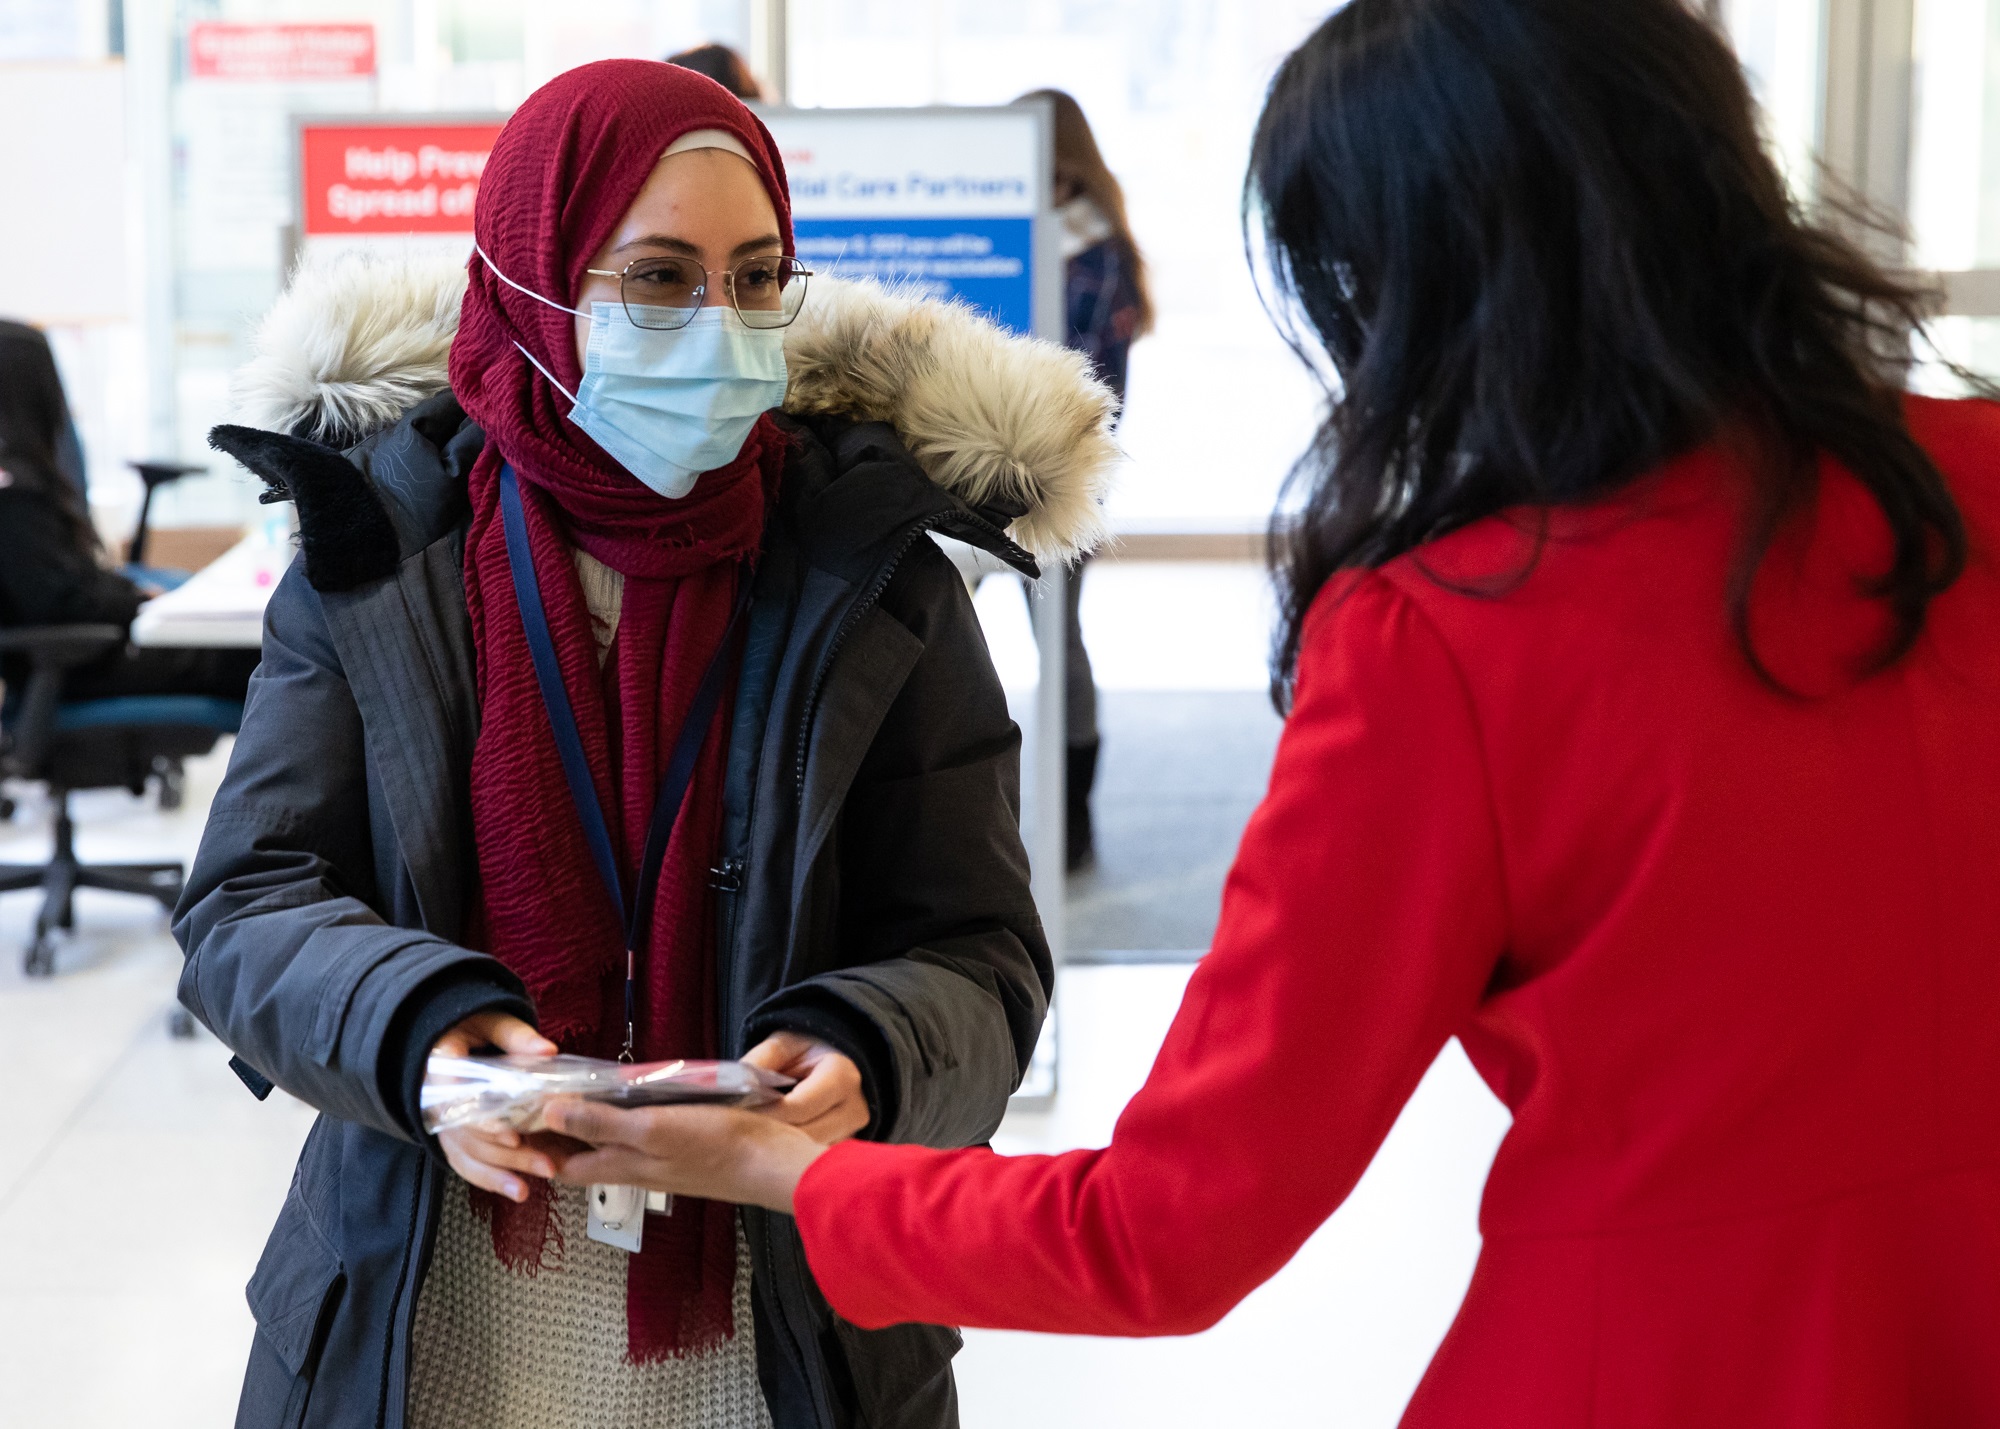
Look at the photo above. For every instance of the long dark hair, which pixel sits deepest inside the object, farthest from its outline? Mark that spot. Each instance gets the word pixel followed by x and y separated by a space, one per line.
pixel 1080 168
pixel 34 422
pixel 1544 249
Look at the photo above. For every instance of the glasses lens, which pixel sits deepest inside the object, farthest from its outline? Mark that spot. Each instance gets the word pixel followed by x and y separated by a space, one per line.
pixel 663 292
pixel 768 292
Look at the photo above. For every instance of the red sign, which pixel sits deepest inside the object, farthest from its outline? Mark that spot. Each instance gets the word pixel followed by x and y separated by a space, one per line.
pixel 393 178
pixel 294 53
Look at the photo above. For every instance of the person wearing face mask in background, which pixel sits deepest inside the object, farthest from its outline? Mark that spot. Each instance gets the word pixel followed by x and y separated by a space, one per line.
pixel 594 558
pixel 1107 306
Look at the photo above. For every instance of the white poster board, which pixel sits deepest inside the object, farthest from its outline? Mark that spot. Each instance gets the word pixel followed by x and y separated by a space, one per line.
pixel 63 247
pixel 243 83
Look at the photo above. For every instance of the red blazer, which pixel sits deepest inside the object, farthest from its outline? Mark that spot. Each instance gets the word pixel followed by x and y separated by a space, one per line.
pixel 1732 958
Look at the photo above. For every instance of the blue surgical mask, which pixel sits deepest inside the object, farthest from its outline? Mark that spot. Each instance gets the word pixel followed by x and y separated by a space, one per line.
pixel 668 406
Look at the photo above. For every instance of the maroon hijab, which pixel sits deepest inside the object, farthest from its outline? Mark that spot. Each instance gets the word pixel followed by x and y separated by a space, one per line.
pixel 565 169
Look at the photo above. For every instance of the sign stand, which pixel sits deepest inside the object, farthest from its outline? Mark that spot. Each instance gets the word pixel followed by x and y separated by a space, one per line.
pixel 1045 851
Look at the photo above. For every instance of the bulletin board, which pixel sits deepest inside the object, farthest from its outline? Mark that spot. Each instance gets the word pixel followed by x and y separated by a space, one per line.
pixel 64 252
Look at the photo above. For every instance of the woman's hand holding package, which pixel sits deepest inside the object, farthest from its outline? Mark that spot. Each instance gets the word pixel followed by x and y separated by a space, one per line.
pixel 494 1158
pixel 718 1153
pixel 721 1153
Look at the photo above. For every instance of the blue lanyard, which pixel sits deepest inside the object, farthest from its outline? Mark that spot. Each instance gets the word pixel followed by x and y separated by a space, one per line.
pixel 637 913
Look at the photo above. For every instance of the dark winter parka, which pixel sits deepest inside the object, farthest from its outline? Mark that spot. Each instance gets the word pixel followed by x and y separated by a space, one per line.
pixel 872 888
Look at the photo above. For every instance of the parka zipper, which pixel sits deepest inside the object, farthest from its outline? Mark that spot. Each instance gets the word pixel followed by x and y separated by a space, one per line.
pixel 727 877
pixel 934 522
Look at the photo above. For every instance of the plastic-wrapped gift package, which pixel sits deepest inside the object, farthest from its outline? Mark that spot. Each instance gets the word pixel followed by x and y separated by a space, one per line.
pixel 511 1091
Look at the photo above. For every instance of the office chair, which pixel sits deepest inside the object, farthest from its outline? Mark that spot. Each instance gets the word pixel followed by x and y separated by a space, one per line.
pixel 154 474
pixel 116 742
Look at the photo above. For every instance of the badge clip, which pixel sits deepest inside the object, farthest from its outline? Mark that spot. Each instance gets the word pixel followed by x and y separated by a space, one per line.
pixel 618 1214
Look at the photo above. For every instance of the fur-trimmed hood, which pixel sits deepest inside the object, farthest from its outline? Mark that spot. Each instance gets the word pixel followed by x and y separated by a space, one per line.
pixel 997 420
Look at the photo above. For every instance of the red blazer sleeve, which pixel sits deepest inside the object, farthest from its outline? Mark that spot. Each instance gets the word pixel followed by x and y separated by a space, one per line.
pixel 1361 923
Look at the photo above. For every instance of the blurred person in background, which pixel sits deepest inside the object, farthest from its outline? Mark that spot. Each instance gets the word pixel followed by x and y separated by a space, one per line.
pixel 723 65
pixel 619 704
pixel 1638 638
pixel 53 568
pixel 25 350
pixel 1107 306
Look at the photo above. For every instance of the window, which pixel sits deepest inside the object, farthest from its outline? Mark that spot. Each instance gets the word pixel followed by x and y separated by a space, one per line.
pixel 1218 406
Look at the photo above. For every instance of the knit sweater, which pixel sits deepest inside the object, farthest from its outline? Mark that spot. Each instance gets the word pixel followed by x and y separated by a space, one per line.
pixel 498 1349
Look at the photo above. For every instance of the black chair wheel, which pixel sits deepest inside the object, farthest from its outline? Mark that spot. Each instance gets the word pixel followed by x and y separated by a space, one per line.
pixel 6 807
pixel 40 960
pixel 180 1024
pixel 173 785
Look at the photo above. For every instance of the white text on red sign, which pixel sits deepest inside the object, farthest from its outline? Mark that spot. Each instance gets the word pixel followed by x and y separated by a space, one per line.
pixel 399 166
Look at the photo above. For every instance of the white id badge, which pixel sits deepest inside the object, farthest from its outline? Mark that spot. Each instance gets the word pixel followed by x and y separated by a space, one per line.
pixel 617 1216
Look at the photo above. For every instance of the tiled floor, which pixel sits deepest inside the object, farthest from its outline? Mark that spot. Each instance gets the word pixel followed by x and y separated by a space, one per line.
pixel 140 1179
pixel 1180 774
pixel 1338 1338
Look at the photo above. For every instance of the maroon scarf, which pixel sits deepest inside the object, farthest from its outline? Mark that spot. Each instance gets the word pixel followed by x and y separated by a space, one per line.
pixel 565 169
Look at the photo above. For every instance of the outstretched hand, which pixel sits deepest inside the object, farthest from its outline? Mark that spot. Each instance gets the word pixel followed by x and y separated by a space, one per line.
pixel 752 1158
pixel 716 1153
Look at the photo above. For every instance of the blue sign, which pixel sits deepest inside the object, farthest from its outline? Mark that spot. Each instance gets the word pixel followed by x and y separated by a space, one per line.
pixel 986 262
pixel 941 203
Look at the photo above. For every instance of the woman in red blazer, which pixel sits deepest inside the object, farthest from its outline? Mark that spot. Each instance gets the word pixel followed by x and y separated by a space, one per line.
pixel 1641 645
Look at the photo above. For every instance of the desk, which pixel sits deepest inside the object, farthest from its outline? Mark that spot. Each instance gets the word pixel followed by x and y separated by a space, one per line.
pixel 222 604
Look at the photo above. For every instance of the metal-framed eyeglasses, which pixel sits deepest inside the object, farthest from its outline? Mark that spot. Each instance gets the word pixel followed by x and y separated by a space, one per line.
pixel 665 293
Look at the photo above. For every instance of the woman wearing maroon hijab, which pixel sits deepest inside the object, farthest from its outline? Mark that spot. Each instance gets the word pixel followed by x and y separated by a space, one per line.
pixel 598 565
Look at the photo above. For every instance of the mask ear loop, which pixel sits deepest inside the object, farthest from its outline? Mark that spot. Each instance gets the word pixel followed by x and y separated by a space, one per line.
pixel 573 312
pixel 546 373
